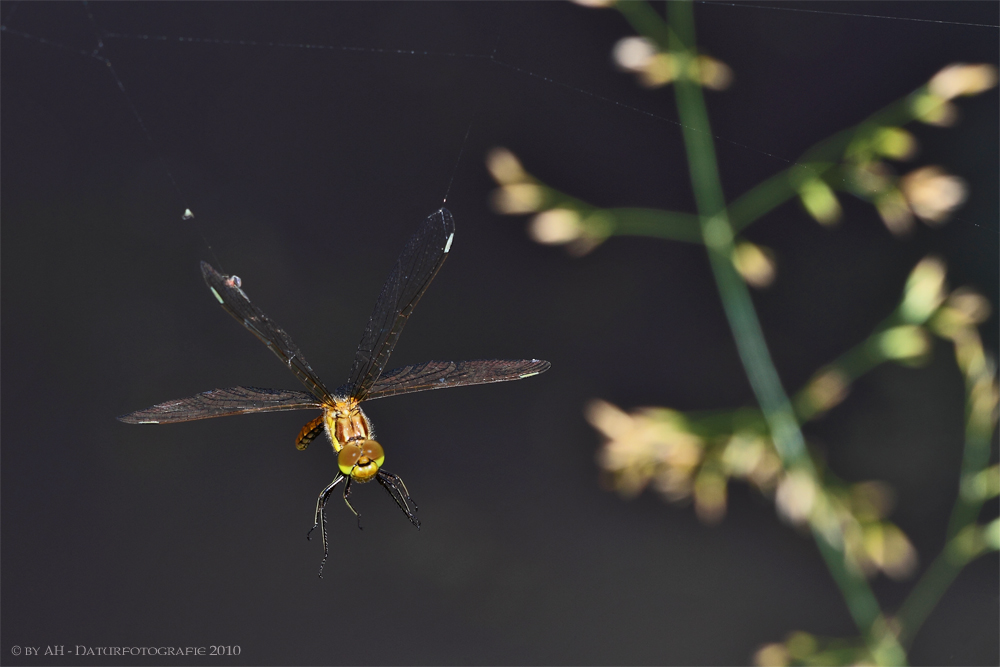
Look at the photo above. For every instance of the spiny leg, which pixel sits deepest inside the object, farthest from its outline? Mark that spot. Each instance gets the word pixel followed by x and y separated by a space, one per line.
pixel 319 519
pixel 406 492
pixel 324 495
pixel 347 495
pixel 392 483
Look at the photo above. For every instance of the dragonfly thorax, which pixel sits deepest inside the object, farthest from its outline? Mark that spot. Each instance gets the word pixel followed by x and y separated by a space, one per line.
pixel 346 423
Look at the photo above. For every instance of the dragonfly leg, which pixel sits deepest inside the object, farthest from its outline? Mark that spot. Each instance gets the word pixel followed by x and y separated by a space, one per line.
pixel 347 495
pixel 319 519
pixel 395 487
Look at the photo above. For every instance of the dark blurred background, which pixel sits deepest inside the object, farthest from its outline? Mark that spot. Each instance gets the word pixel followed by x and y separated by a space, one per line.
pixel 307 169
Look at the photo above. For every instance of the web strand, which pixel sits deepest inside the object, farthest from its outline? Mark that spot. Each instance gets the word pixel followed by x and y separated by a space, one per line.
pixel 428 53
pixel 103 36
pixel 853 14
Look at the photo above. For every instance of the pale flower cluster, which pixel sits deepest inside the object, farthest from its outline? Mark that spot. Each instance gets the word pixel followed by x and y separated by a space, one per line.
pixel 555 223
pixel 654 447
pixel 928 193
pixel 654 68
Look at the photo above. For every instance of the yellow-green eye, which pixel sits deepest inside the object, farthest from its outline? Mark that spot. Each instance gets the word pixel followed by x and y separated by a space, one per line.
pixel 348 458
pixel 374 452
pixel 361 461
pixel 367 461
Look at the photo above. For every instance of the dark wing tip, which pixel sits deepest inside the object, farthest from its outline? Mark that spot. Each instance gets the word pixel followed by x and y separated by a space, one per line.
pixel 447 219
pixel 538 366
pixel 131 418
pixel 207 270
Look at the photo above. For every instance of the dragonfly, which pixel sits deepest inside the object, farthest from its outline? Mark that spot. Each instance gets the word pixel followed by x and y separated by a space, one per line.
pixel 360 457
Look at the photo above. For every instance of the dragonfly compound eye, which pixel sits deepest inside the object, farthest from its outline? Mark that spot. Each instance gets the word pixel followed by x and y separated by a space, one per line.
pixel 373 452
pixel 370 461
pixel 361 461
pixel 347 458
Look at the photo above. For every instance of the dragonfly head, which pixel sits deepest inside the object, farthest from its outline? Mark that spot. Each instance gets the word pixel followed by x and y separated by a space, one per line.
pixel 361 460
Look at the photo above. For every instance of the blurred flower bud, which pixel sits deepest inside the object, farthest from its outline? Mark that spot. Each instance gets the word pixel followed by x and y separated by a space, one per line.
pixel 894 211
pixel 800 645
pixel 662 69
pixel 906 343
pixel 796 496
pixel 767 471
pixel 890 550
pixel 932 194
pixel 924 291
pixel 825 390
pixel 651 445
pixel 871 177
pixel 982 486
pixel 871 501
pixel 609 419
pixel 971 306
pixel 641 56
pixel 710 496
pixel 965 546
pixel 505 167
pixel 984 396
pixel 712 73
pixel 895 143
pixel 560 226
pixel 583 245
pixel 634 54
pixel 971 357
pixel 820 201
pixel 933 110
pixel 772 655
pixel 751 456
pixel 963 309
pixel 991 534
pixel 555 226
pixel 755 264
pixel 962 79
pixel 743 453
pixel 518 198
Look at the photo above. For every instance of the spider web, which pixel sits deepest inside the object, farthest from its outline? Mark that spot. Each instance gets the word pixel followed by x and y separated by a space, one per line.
pixel 320 115
pixel 98 30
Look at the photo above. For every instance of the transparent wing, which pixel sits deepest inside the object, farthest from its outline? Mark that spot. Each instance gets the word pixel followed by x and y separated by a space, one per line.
pixel 227 290
pixel 440 374
pixel 223 402
pixel 416 267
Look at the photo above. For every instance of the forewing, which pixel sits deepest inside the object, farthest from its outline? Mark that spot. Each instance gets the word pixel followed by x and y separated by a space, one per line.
pixel 227 291
pixel 440 374
pixel 223 402
pixel 420 261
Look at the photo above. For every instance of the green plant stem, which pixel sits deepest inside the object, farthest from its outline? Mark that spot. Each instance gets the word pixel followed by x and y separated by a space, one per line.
pixel 929 590
pixel 718 236
pixel 853 363
pixel 861 602
pixel 719 240
pixel 975 457
pixel 654 223
pixel 964 543
pixel 628 221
